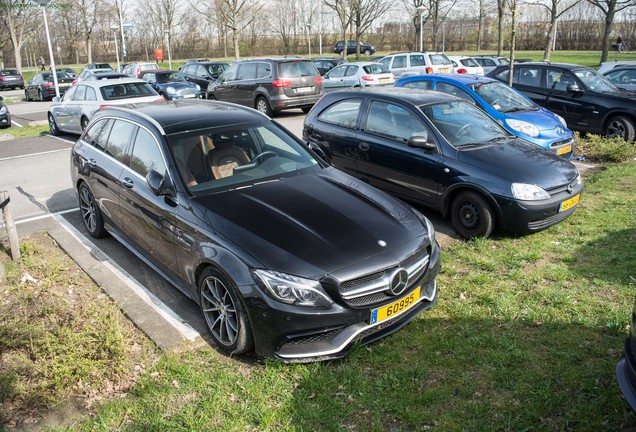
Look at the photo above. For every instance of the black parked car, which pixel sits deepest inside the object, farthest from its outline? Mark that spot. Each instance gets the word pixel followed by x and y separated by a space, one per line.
pixel 11 78
pixel 585 99
pixel 626 367
pixel 203 73
pixel 325 64
pixel 365 49
pixel 171 84
pixel 42 87
pixel 284 254
pixel 269 84
pixel 444 152
pixel 5 115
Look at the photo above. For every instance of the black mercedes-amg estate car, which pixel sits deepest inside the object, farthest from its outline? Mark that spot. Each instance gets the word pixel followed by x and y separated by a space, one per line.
pixel 285 255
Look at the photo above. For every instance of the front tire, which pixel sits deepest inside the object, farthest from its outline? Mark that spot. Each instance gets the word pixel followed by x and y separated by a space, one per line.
pixel 262 105
pixel 53 125
pixel 472 216
pixel 89 210
pixel 83 123
pixel 224 313
pixel 367 53
pixel 621 127
pixel 26 95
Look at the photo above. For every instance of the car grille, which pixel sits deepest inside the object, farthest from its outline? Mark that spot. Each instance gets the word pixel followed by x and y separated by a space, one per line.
pixel 314 338
pixel 549 221
pixel 373 289
pixel 562 143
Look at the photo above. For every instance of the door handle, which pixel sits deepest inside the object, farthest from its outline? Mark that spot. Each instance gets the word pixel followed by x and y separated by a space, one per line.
pixel 363 146
pixel 128 183
pixel 92 163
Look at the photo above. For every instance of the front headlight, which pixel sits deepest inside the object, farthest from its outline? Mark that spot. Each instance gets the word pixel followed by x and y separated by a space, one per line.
pixel 170 90
pixel 3 109
pixel 523 127
pixel 528 192
pixel 198 87
pixel 293 289
pixel 429 227
pixel 562 120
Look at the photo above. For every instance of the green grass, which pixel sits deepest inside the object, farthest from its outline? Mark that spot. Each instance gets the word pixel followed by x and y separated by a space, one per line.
pixel 26 131
pixel 525 337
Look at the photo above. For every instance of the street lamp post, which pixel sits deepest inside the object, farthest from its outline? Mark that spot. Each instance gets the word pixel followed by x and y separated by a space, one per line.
pixel 309 38
pixel 114 29
pixel 42 4
pixel 420 10
pixel 123 38
pixel 167 32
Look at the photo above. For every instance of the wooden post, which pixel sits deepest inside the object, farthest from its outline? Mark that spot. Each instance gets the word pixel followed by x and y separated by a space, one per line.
pixel 8 222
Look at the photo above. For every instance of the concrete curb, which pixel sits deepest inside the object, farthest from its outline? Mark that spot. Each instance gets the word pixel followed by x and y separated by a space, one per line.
pixel 156 326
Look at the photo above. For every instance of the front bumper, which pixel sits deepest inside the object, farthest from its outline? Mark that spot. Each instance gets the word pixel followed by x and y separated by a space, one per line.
pixel 532 216
pixel 303 334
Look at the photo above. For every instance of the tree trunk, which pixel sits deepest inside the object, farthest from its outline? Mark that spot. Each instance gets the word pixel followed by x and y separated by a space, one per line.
pixel 500 15
pixel 609 21
pixel 549 39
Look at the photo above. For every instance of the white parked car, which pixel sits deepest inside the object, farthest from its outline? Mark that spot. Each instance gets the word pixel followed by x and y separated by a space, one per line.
pixel 357 74
pixel 608 66
pixel 417 63
pixel 466 65
pixel 72 112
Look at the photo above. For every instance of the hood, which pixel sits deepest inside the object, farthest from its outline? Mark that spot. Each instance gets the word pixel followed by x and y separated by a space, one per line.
pixel 178 85
pixel 519 161
pixel 543 119
pixel 311 225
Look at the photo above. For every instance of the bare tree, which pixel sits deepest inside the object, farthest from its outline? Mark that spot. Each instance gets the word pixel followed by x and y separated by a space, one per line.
pixel 555 10
pixel 363 14
pixel 237 15
pixel 437 11
pixel 609 8
pixel 501 15
pixel 341 8
pixel 18 17
pixel 284 21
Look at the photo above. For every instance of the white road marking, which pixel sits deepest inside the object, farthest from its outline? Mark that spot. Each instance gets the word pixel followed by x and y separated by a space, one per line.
pixel 15 123
pixel 34 154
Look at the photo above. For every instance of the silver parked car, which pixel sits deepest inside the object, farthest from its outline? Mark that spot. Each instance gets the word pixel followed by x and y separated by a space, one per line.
pixel 72 112
pixel 358 74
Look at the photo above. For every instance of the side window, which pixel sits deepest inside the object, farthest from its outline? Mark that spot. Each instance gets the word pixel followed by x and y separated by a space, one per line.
pixel 504 75
pixel 559 80
pixel 146 155
pixel 530 77
pixel 351 70
pixel 344 113
pixel 263 70
pixel 399 62
pixel 386 62
pixel 70 94
pixel 97 135
pixel 247 71
pixel 337 72
pixel 454 90
pixel 79 93
pixel 119 139
pixel 201 72
pixel 90 94
pixel 427 85
pixel 186 70
pixel 417 60
pixel 393 121
pixel 230 73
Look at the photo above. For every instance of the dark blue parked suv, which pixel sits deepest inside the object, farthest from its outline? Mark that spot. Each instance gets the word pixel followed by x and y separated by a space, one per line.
pixel 365 49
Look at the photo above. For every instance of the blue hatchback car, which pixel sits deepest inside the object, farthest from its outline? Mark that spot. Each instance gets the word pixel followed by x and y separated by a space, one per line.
pixel 513 110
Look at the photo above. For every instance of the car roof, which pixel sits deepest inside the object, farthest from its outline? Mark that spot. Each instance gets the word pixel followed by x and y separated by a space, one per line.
pixel 621 67
pixel 569 66
pixel 180 115
pixel 411 95
pixel 105 82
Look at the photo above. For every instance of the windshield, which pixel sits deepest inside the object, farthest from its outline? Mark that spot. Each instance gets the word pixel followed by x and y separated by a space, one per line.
pixel 170 77
pixel 228 158
pixel 502 97
pixel 463 124
pixel 376 68
pixel 595 81
pixel 126 90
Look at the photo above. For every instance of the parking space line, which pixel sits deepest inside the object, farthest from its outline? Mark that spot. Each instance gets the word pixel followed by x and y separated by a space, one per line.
pixel 15 123
pixel 146 296
pixel 34 154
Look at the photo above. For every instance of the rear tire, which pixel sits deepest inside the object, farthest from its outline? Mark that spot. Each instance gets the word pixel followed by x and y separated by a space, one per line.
pixel 26 96
pixel 367 53
pixel 306 109
pixel 89 210
pixel 472 216
pixel 224 313
pixel 262 105
pixel 41 96
pixel 83 123
pixel 621 127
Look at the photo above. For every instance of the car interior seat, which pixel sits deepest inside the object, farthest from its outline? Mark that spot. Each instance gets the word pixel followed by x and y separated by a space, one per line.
pixel 118 91
pixel 224 157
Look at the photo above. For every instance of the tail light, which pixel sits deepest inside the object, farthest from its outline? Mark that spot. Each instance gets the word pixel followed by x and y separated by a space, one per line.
pixel 104 106
pixel 318 80
pixel 281 83
pixel 461 70
pixel 74 82
pixel 429 69
pixel 367 78
pixel 48 84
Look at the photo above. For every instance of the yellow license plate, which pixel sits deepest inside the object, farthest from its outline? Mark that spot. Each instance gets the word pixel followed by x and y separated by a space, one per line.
pixel 564 150
pixel 388 311
pixel 568 204
pixel 444 70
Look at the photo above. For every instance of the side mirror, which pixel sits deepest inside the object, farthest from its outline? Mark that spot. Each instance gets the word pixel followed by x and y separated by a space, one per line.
pixel 422 142
pixel 573 88
pixel 155 182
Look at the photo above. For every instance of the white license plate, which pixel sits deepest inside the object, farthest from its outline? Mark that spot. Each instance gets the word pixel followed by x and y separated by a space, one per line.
pixel 304 89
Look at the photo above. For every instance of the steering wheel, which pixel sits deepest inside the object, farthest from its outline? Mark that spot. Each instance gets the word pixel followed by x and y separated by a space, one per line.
pixel 265 155
pixel 463 130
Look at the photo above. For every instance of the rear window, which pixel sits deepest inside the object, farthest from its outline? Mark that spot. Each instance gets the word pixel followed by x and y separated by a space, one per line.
pixel 126 90
pixel 294 69
pixel 9 72
pixel 376 69
pixel 439 59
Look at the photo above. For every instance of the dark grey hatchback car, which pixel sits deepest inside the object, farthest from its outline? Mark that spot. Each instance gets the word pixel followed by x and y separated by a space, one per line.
pixel 285 255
